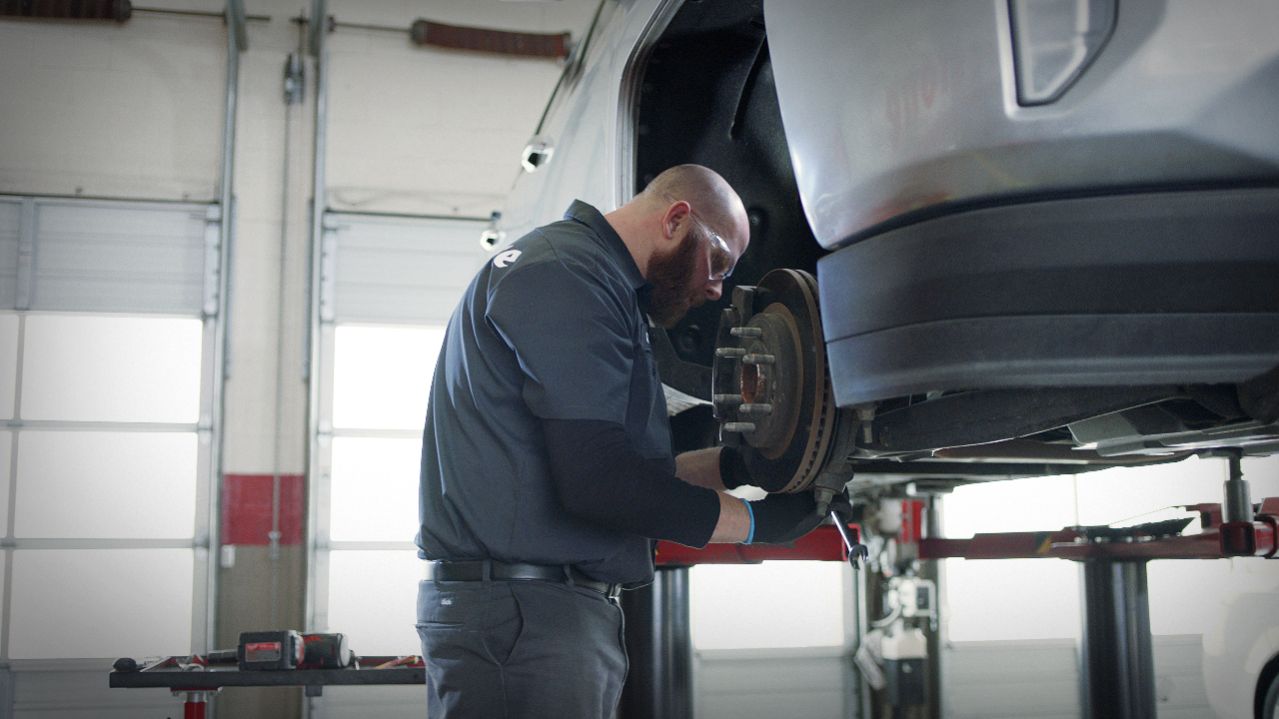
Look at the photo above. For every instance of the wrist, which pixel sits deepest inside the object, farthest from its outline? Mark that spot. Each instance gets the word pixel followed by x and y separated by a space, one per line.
pixel 750 531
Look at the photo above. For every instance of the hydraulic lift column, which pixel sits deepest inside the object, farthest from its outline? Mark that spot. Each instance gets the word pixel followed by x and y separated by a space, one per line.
pixel 659 644
pixel 1117 668
pixel 660 648
pixel 1117 660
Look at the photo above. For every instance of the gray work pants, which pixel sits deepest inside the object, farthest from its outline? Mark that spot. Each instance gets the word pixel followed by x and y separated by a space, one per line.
pixel 512 649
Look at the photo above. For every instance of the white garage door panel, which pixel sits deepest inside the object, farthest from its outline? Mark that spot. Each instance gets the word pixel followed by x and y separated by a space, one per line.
pixel 10 227
pixel 402 270
pixel 113 257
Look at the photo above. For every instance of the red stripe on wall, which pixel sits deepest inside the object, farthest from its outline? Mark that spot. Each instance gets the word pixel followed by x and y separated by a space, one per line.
pixel 246 508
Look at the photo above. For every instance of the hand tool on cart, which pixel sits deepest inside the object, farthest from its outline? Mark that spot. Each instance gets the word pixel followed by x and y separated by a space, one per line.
pixel 264 659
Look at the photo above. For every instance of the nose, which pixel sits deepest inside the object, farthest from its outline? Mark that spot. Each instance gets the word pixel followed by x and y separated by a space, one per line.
pixel 715 290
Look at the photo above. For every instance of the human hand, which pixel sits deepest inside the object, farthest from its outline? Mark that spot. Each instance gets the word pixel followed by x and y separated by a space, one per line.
pixel 783 518
pixel 734 472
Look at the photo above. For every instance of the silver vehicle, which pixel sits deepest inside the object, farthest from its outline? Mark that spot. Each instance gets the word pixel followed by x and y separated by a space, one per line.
pixel 990 238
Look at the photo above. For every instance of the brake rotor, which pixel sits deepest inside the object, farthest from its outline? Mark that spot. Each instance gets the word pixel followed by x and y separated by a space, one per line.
pixel 772 392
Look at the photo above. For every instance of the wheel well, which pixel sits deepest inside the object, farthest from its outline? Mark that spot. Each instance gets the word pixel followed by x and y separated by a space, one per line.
pixel 708 97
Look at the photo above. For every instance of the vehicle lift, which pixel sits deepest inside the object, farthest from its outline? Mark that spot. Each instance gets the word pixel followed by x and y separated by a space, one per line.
pixel 1116 673
pixel 1116 668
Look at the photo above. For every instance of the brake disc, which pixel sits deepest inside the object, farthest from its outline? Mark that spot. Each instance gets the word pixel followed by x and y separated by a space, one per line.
pixel 772 391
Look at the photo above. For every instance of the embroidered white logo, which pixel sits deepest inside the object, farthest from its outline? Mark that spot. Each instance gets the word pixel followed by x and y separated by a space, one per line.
pixel 507 258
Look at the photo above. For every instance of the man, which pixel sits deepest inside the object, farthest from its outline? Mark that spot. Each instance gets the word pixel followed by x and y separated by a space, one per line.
pixel 546 458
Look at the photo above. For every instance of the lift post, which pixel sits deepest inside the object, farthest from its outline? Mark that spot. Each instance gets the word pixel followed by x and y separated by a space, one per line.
pixel 1117 668
pixel 659 684
pixel 659 646
pixel 1118 677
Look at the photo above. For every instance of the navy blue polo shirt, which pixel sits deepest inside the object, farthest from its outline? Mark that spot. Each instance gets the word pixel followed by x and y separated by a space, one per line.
pixel 551 328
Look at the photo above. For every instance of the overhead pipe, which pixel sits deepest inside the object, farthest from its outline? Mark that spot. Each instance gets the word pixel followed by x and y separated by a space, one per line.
pixel 119 11
pixel 428 33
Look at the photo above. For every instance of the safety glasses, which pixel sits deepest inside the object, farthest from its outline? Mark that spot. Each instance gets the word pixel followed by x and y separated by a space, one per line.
pixel 719 258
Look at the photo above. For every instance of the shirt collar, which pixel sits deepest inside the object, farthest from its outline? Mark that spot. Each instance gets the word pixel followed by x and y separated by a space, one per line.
pixel 587 215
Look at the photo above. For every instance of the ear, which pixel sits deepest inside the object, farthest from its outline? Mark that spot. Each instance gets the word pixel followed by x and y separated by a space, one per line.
pixel 675 215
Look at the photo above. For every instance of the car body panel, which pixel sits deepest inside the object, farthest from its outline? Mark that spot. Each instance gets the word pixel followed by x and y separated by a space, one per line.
pixel 922 114
pixel 1237 647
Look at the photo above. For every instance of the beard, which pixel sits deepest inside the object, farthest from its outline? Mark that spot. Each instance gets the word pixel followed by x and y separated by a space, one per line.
pixel 671 277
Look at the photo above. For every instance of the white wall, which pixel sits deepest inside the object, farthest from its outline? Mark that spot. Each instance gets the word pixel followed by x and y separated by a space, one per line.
pixel 435 131
pixel 410 130
pixel 135 111
pixel 100 109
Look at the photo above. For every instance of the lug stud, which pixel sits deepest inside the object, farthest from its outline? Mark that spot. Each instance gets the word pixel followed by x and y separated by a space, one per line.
pixel 730 352
pixel 757 358
pixel 739 426
pixel 752 332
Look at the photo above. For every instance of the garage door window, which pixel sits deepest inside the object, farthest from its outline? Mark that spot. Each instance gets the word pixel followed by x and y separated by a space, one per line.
pixel 108 314
pixel 389 288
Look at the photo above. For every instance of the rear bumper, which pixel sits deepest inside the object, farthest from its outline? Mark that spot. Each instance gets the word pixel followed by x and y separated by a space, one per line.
pixel 1135 289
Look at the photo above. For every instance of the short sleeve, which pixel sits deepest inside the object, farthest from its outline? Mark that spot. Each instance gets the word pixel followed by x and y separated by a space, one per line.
pixel 572 333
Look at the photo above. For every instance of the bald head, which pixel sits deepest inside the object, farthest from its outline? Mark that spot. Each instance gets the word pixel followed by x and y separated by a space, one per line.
pixel 710 196
pixel 686 231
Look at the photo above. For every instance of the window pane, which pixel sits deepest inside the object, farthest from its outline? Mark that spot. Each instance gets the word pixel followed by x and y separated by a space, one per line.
pixel 1011 598
pixel 1178 602
pixel 990 600
pixel 381 375
pixel 1022 505
pixel 783 604
pixel 106 484
pixel 123 369
pixel 373 599
pixel 1149 494
pixel 374 489
pixel 8 363
pixel 1131 495
pixel 101 603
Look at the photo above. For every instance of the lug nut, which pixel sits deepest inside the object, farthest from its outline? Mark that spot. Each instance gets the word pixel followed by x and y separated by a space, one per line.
pixel 739 426
pixel 759 358
pixel 730 352
pixel 753 332
pixel 727 399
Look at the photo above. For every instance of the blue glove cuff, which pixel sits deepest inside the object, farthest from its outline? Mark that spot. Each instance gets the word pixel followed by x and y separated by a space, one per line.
pixel 750 534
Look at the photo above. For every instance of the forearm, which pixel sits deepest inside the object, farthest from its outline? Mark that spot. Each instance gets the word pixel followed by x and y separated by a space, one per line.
pixel 734 521
pixel 601 479
pixel 700 468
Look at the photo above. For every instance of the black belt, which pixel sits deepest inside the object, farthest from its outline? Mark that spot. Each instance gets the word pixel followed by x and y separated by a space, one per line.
pixel 481 570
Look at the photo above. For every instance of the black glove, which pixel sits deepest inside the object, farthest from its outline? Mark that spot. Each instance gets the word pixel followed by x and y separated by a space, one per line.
pixel 732 468
pixel 783 518
pixel 734 473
